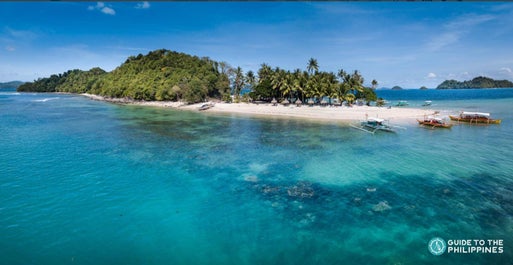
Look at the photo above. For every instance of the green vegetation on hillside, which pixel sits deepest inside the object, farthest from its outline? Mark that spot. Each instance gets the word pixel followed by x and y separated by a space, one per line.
pixel 159 75
pixel 478 82
pixel 168 75
pixel 11 84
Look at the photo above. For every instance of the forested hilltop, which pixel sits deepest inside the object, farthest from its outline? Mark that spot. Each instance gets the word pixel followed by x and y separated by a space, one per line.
pixel 11 84
pixel 159 75
pixel 478 82
pixel 168 75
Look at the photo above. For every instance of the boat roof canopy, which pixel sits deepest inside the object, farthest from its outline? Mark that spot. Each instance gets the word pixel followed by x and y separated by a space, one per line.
pixel 482 114
pixel 375 119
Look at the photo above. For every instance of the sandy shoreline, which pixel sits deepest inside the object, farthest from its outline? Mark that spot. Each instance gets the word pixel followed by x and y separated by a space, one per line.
pixel 342 114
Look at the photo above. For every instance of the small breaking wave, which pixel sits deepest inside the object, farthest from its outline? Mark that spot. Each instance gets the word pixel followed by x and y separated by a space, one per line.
pixel 43 100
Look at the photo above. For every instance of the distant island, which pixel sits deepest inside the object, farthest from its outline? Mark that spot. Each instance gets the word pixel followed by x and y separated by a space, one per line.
pixel 397 88
pixel 423 88
pixel 11 84
pixel 478 82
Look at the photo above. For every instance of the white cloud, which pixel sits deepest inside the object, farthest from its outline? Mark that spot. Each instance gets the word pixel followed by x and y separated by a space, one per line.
pixel 102 8
pixel 10 48
pixel 431 75
pixel 108 11
pixel 143 5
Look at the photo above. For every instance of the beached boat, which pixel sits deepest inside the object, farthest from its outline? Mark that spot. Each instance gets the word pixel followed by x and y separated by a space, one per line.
pixel 206 106
pixel 371 125
pixel 475 117
pixel 402 103
pixel 427 103
pixel 434 122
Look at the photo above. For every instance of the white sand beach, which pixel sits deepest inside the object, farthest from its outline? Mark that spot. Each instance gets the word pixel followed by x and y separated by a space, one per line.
pixel 401 115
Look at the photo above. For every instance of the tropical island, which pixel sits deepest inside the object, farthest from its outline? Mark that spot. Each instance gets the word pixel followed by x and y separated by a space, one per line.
pixel 478 82
pixel 171 79
pixel 164 75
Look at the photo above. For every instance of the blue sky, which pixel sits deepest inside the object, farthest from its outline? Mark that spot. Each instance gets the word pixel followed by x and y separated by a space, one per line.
pixel 410 44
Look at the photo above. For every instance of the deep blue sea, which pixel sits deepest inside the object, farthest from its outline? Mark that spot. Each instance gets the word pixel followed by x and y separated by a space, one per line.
pixel 88 182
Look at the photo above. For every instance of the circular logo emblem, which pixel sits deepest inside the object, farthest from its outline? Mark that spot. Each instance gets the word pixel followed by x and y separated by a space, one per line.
pixel 437 246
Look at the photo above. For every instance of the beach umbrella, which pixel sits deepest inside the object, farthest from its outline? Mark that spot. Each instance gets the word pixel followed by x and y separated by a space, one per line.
pixel 298 102
pixel 274 101
pixel 311 101
pixel 285 102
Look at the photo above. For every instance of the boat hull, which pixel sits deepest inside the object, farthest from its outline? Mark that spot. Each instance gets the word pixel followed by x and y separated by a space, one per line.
pixel 475 120
pixel 435 124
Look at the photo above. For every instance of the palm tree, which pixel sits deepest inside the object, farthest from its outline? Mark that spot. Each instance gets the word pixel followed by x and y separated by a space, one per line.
pixel 374 83
pixel 357 81
pixel 250 78
pixel 238 82
pixel 313 66
pixel 278 80
pixel 299 83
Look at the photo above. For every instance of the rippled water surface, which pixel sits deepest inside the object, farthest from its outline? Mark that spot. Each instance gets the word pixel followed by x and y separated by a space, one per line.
pixel 87 182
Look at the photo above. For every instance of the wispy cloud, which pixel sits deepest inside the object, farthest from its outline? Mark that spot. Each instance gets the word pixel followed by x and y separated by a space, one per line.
pixel 456 29
pixel 102 8
pixel 143 5
pixel 20 34
pixel 446 39
pixel 506 70
pixel 10 48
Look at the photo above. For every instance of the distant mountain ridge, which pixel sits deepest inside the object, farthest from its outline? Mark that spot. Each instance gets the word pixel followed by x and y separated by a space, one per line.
pixel 478 82
pixel 11 84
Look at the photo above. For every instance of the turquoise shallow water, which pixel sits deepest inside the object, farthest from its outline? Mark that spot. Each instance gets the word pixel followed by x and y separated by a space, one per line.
pixel 86 182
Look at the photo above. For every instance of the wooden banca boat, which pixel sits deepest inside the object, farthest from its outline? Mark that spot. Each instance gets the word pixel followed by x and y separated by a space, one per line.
pixel 434 122
pixel 475 117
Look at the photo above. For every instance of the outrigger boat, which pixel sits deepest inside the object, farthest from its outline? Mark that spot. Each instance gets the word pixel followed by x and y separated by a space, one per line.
pixel 434 122
pixel 371 125
pixel 475 117
pixel 402 103
pixel 427 103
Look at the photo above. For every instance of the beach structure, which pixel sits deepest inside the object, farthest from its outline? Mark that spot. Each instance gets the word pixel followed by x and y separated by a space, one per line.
pixel 475 118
